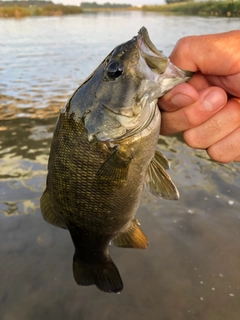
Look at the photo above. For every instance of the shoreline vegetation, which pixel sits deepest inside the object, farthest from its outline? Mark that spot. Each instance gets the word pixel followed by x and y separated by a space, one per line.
pixel 21 9
pixel 200 8
pixel 26 8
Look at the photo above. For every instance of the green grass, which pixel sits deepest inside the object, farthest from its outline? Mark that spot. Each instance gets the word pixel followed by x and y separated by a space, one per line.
pixel 209 8
pixel 47 10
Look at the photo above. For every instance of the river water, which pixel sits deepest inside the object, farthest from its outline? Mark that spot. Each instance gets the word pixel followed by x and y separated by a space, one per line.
pixel 191 269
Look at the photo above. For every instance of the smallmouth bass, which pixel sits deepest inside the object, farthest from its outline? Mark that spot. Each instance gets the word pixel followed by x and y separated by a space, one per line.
pixel 104 150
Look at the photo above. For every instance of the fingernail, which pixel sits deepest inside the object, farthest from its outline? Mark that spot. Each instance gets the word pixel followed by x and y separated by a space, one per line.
pixel 181 100
pixel 213 100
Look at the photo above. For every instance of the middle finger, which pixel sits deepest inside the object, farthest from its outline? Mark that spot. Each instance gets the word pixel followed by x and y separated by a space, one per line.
pixel 215 128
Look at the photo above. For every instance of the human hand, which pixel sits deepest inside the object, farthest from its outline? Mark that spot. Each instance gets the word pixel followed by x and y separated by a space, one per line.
pixel 207 108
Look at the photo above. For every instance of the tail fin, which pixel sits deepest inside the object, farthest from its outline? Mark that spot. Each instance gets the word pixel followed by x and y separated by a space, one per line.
pixel 104 275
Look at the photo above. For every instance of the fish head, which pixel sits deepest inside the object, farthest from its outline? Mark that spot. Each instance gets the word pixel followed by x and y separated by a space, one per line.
pixel 133 71
pixel 125 88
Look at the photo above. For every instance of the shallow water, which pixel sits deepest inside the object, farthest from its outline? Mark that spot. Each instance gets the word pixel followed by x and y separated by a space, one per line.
pixel 191 268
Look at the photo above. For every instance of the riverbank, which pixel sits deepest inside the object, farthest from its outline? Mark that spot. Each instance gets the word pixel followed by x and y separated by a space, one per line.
pixel 44 9
pixel 209 8
pixel 20 9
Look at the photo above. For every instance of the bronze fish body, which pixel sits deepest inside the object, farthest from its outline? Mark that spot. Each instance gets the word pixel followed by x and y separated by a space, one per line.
pixel 103 152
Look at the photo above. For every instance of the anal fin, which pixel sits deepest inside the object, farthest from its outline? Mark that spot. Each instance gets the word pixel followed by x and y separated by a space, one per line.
pixel 133 237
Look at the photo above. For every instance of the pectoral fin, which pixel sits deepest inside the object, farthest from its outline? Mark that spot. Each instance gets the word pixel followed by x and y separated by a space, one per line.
pixel 115 168
pixel 48 212
pixel 133 237
pixel 160 158
pixel 158 181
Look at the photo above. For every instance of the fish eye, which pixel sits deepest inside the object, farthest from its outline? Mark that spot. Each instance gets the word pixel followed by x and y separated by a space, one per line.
pixel 114 69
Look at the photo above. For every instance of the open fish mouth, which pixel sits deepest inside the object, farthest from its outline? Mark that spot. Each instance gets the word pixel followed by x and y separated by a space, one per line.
pixel 145 44
pixel 153 57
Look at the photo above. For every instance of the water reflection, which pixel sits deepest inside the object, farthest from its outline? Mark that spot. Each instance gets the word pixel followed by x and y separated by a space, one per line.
pixel 26 132
pixel 191 268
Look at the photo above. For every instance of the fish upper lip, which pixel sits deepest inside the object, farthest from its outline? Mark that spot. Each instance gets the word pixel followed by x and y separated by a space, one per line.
pixel 145 44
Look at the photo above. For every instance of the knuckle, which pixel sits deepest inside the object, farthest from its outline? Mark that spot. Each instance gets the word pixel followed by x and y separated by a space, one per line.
pixel 190 120
pixel 193 140
pixel 183 42
pixel 235 109
pixel 182 48
pixel 214 126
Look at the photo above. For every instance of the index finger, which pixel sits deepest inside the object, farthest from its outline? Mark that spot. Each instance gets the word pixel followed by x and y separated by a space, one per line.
pixel 213 54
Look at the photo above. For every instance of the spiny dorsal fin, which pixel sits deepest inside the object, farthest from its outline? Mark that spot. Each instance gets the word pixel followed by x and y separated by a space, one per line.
pixel 48 212
pixel 159 182
pixel 133 237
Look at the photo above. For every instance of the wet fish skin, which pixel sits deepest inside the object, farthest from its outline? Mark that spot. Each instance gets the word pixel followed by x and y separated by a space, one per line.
pixel 80 210
pixel 102 153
